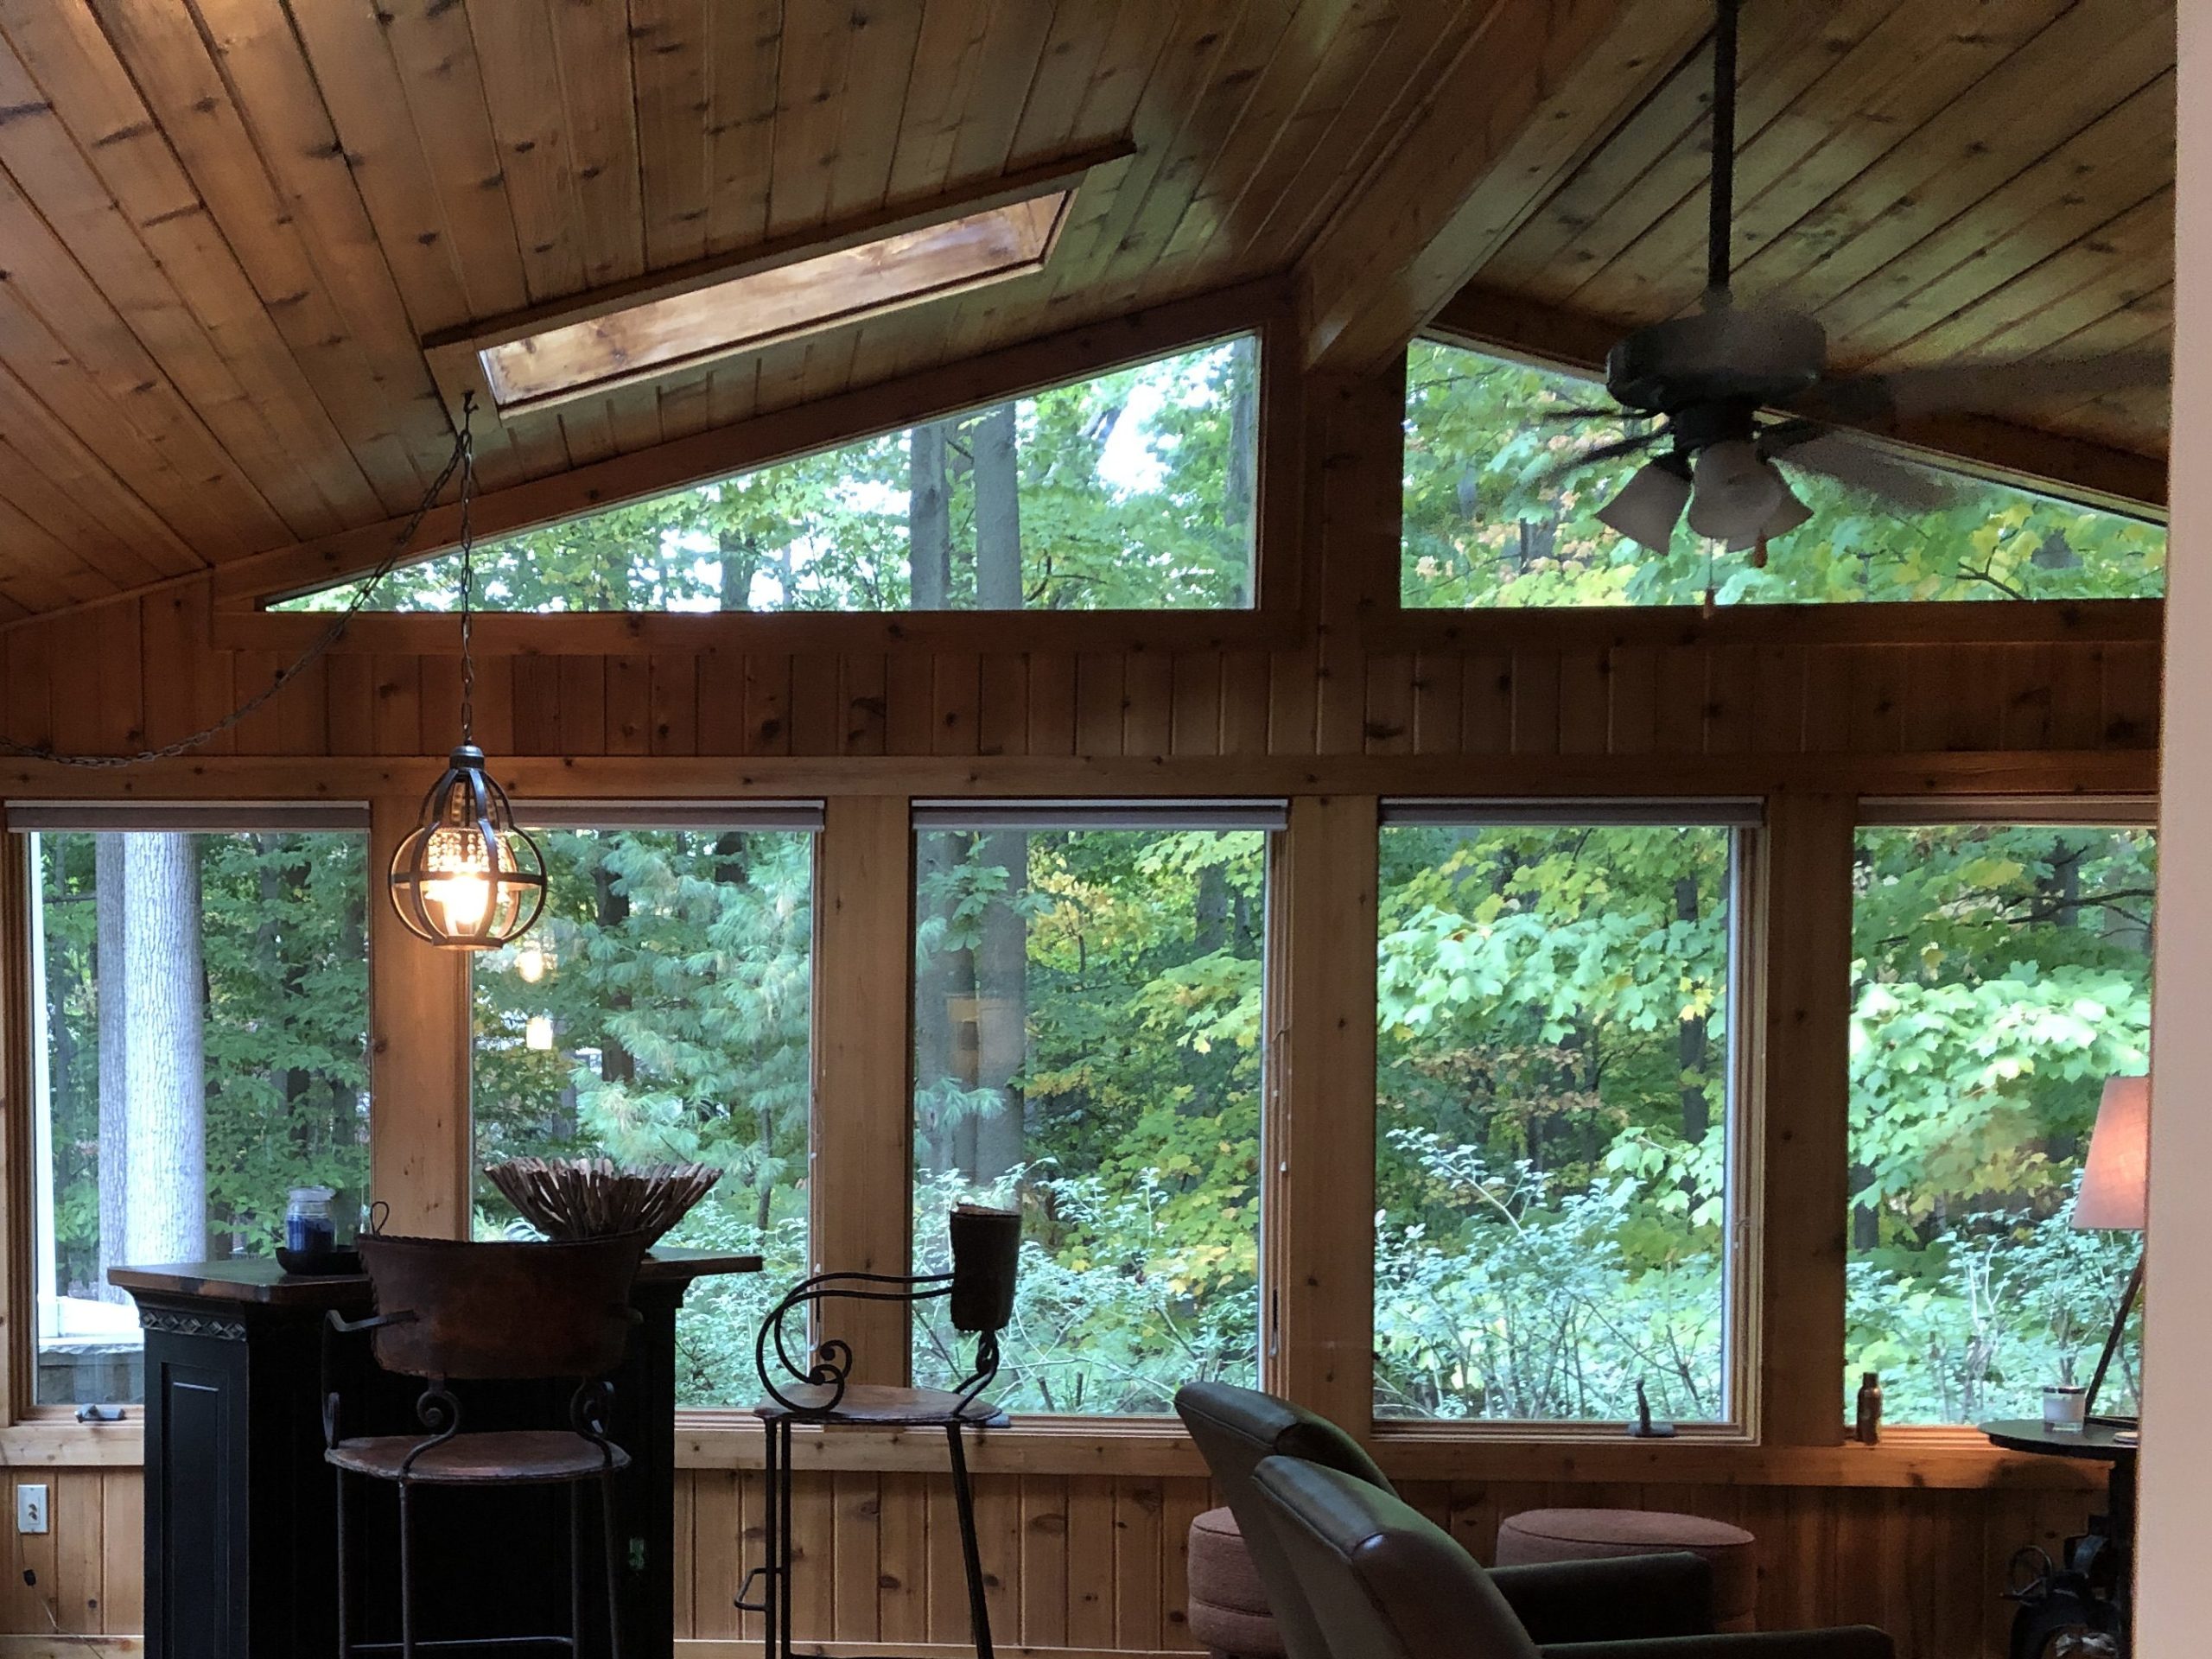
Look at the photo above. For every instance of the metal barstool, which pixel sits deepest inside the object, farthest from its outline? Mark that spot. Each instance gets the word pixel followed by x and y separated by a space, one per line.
pixel 986 1255
pixel 452 1311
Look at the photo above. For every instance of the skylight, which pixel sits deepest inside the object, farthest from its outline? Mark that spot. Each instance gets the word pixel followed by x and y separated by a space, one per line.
pixel 698 324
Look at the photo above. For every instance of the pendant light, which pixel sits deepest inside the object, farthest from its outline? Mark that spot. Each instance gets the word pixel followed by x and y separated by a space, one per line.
pixel 467 877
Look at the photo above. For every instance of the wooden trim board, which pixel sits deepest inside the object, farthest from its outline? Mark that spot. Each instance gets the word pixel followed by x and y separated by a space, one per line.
pixel 780 435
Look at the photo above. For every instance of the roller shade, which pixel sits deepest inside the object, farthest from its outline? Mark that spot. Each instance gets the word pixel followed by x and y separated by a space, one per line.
pixel 669 814
pixel 199 817
pixel 2132 810
pixel 1698 814
pixel 1100 815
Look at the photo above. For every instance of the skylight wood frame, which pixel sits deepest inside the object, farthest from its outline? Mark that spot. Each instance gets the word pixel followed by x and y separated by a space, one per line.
pixel 662 325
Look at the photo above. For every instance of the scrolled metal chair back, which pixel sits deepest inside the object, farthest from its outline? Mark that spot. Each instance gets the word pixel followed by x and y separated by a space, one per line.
pixel 986 1264
pixel 450 1310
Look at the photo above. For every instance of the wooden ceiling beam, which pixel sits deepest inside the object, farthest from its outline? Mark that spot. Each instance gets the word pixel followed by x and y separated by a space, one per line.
pixel 2049 463
pixel 719 452
pixel 1533 87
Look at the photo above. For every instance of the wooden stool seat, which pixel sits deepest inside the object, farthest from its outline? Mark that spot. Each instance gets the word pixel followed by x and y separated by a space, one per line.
pixel 873 1405
pixel 1229 1608
pixel 1537 1535
pixel 502 1457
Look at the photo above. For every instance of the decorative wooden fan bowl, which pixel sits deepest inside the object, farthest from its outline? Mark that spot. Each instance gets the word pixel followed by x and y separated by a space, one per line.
pixel 589 1197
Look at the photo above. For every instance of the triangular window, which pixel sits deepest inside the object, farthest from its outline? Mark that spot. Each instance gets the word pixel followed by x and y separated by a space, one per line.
pixel 1129 491
pixel 1495 514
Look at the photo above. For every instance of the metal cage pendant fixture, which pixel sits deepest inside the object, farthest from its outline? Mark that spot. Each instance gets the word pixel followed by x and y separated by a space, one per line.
pixel 467 877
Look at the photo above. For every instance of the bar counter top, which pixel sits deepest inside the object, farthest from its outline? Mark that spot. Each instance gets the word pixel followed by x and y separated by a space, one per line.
pixel 259 1280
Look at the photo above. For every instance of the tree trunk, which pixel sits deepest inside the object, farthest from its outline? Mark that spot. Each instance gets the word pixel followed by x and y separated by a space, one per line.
pixel 1237 483
pixel 616 1064
pixel 1866 1224
pixel 167 1149
pixel 1002 1010
pixel 1690 1041
pixel 998 511
pixel 110 901
pixel 740 559
pixel 945 976
pixel 929 517
pixel 1211 908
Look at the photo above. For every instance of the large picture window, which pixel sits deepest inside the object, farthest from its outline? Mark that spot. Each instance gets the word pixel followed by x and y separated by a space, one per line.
pixel 1556 1056
pixel 2002 973
pixel 1493 518
pixel 1088 1021
pixel 661 1013
pixel 200 986
pixel 1129 491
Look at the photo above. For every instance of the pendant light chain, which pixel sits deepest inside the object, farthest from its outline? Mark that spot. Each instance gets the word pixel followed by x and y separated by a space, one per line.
pixel 466 448
pixel 462 460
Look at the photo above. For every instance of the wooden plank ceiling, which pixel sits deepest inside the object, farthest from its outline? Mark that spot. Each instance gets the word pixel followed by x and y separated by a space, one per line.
pixel 1932 179
pixel 228 225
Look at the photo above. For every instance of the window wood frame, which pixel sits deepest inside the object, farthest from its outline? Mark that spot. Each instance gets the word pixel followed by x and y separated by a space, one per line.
pixel 1745 1097
pixel 58 1425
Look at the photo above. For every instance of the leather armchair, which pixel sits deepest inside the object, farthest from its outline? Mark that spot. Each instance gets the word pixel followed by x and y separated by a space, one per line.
pixel 1382 1581
pixel 1560 1601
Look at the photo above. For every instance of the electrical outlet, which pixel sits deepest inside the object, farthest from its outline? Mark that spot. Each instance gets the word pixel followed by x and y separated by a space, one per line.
pixel 30 1508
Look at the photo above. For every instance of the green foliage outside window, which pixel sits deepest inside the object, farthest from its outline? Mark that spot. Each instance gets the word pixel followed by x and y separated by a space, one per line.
pixel 1131 491
pixel 660 1013
pixel 264 938
pixel 1551 1122
pixel 1087 1025
pixel 1487 520
pixel 2002 974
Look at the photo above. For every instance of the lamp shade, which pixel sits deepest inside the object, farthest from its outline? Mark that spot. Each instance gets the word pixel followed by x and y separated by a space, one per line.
pixel 1649 505
pixel 1734 491
pixel 2115 1185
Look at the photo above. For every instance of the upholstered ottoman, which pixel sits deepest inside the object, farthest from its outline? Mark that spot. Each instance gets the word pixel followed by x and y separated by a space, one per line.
pixel 1587 1534
pixel 1229 1610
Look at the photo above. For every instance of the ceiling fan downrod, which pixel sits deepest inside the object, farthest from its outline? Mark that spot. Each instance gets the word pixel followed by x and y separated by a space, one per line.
pixel 1721 204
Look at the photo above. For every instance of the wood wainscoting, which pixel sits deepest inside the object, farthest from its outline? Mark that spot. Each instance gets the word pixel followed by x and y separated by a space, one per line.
pixel 1094 1563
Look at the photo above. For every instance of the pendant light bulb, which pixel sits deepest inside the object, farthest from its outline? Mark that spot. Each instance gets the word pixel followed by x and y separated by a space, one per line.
pixel 461 885
pixel 467 877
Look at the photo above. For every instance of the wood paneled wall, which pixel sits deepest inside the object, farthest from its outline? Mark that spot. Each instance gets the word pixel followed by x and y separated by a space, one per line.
pixel 1096 1563
pixel 143 673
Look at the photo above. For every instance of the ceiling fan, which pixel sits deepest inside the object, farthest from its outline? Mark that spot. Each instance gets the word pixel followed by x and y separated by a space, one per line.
pixel 1733 388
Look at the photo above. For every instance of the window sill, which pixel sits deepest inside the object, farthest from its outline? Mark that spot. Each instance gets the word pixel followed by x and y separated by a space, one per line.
pixel 63 1442
pixel 1034 1445
pixel 1948 1458
pixel 1951 1458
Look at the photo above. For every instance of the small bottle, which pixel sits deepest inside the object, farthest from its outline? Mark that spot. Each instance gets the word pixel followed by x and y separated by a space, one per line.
pixel 1870 1408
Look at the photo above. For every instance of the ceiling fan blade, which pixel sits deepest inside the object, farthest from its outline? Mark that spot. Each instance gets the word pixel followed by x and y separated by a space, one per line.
pixel 1986 387
pixel 1615 413
pixel 1566 466
pixel 1859 466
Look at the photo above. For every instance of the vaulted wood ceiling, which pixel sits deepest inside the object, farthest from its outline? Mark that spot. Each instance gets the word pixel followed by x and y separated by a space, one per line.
pixel 226 225
pixel 1933 181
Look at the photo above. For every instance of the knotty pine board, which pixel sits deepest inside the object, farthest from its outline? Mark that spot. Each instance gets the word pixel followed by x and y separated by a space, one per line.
pixel 1095 1562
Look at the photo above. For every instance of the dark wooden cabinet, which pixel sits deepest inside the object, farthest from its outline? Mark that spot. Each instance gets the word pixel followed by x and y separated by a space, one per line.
pixel 241 1543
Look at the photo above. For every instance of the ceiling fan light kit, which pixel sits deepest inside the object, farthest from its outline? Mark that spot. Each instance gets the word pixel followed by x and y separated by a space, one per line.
pixel 1694 387
pixel 1733 491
